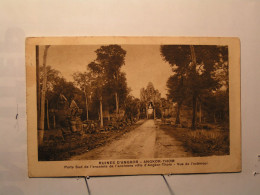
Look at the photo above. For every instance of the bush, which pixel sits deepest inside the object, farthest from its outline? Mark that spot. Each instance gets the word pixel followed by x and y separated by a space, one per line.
pixel 206 143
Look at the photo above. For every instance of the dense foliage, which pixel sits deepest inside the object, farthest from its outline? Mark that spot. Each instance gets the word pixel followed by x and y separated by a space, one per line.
pixel 200 74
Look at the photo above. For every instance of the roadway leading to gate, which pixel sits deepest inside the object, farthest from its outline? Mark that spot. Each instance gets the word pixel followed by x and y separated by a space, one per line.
pixel 146 141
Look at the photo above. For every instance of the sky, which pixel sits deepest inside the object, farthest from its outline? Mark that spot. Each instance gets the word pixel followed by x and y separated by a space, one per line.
pixel 143 64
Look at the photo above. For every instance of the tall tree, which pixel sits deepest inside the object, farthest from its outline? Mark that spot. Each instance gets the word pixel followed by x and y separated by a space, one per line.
pixel 52 77
pixel 55 86
pixel 112 58
pixel 132 107
pixel 179 59
pixel 83 80
pixel 38 86
pixel 177 92
pixel 43 93
pixel 197 65
pixel 108 78
pixel 193 74
pixel 98 83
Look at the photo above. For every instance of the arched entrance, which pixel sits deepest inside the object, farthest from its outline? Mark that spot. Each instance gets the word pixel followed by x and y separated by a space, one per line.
pixel 150 111
pixel 151 97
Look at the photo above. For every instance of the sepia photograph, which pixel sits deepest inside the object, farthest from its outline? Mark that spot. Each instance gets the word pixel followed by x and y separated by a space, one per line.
pixel 122 103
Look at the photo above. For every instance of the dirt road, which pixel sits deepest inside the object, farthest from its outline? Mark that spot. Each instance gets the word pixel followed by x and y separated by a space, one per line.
pixel 146 141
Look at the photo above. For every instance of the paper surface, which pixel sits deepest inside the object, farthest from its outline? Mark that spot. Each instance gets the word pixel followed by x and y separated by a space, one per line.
pixel 140 135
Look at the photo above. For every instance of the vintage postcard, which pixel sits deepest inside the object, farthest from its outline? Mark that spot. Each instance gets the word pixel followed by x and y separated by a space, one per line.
pixel 133 105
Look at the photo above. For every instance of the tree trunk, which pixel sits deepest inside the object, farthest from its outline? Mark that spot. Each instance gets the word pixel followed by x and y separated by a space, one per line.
pixel 161 113
pixel 200 113
pixel 177 121
pixel 47 114
pixel 86 105
pixel 138 113
pixel 101 113
pixel 194 98
pixel 154 112
pixel 116 94
pixel 194 112
pixel 38 87
pixel 117 104
pixel 193 57
pixel 146 111
pixel 42 116
pixel 54 122
pixel 108 115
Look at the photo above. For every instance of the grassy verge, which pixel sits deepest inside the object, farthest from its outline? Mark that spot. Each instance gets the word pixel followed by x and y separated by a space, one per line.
pixel 201 142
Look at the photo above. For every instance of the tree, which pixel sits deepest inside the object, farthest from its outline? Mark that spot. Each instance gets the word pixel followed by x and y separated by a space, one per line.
pixel 197 65
pixel 122 89
pixel 132 107
pixel 177 92
pixel 179 59
pixel 107 77
pixel 83 80
pixel 195 92
pixel 38 86
pixel 49 77
pixel 43 93
pixel 112 58
pixel 205 62
pixel 56 85
pixel 52 77
pixel 98 83
pixel 122 93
